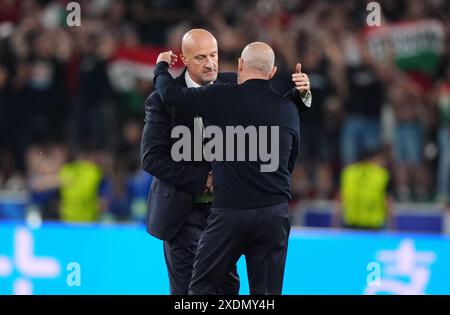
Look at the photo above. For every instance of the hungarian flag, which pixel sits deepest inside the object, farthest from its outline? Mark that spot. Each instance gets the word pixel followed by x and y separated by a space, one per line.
pixel 417 45
pixel 130 64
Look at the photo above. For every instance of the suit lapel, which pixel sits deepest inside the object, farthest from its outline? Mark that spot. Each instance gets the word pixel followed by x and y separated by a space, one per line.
pixel 183 117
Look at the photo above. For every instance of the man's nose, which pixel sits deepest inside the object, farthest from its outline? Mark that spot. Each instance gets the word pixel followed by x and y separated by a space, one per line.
pixel 209 64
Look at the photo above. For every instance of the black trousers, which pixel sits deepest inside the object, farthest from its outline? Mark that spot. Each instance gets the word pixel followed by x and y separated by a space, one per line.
pixel 260 234
pixel 179 254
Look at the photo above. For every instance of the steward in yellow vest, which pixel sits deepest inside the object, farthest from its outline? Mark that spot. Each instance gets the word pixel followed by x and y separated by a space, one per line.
pixel 80 182
pixel 364 193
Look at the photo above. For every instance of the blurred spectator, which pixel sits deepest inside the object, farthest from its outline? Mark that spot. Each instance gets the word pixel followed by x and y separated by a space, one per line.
pixel 320 125
pixel 138 187
pixel 47 90
pixel 443 105
pixel 364 195
pixel 11 180
pixel 128 150
pixel 80 181
pixel 406 101
pixel 113 190
pixel 365 97
pixel 43 165
pixel 136 181
pixel 12 185
pixel 94 93
pixel 14 114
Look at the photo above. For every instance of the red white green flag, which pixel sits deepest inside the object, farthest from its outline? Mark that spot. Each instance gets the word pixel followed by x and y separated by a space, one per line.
pixel 417 45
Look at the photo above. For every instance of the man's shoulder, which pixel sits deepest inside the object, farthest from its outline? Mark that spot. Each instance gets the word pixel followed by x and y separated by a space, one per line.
pixel 153 98
pixel 154 103
pixel 227 77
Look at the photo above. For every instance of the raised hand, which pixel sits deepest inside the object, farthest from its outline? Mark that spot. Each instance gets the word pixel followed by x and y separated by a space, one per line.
pixel 301 80
pixel 167 56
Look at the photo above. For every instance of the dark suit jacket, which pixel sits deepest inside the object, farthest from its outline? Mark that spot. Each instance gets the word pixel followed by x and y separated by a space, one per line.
pixel 175 184
pixel 242 184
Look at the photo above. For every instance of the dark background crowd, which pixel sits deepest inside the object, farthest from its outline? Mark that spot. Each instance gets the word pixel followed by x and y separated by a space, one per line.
pixel 59 102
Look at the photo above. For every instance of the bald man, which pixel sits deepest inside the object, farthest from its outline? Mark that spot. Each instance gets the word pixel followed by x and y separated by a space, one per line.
pixel 249 214
pixel 180 200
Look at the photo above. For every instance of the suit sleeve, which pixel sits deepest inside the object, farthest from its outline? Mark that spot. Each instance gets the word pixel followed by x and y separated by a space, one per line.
pixel 155 151
pixel 200 101
pixel 302 103
pixel 295 146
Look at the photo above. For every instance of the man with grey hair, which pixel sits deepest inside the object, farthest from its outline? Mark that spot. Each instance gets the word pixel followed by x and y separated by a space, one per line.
pixel 259 57
pixel 249 214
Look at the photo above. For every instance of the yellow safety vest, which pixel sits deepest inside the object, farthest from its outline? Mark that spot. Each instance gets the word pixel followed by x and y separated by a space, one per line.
pixel 80 182
pixel 363 193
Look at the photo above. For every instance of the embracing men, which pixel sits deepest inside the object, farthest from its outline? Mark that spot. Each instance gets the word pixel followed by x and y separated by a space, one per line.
pixel 180 198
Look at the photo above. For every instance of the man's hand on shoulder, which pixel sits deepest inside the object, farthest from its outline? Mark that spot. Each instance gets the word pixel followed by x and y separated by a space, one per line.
pixel 167 56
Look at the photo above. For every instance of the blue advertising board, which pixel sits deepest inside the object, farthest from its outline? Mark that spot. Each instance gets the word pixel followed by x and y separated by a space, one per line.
pixel 123 259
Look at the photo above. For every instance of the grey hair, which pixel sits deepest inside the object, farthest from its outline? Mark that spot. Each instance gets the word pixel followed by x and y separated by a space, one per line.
pixel 259 56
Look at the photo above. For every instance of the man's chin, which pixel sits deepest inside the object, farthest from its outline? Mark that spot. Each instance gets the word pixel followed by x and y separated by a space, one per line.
pixel 209 77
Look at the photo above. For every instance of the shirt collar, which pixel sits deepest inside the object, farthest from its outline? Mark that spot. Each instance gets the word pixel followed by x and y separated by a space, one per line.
pixel 191 83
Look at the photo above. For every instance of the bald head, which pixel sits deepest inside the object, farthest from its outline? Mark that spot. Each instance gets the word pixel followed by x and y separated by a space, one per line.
pixel 256 62
pixel 259 56
pixel 200 55
pixel 195 39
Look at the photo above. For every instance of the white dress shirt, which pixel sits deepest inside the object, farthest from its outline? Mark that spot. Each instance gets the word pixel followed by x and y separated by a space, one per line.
pixel 192 84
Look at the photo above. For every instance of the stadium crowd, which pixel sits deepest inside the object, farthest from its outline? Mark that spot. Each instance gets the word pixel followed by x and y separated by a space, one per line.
pixel 67 131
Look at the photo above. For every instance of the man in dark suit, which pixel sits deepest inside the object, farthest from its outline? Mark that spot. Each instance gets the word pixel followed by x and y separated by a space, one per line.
pixel 180 201
pixel 249 212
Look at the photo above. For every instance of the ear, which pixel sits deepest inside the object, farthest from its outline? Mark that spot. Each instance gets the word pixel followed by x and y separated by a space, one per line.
pixel 274 70
pixel 240 65
pixel 184 59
